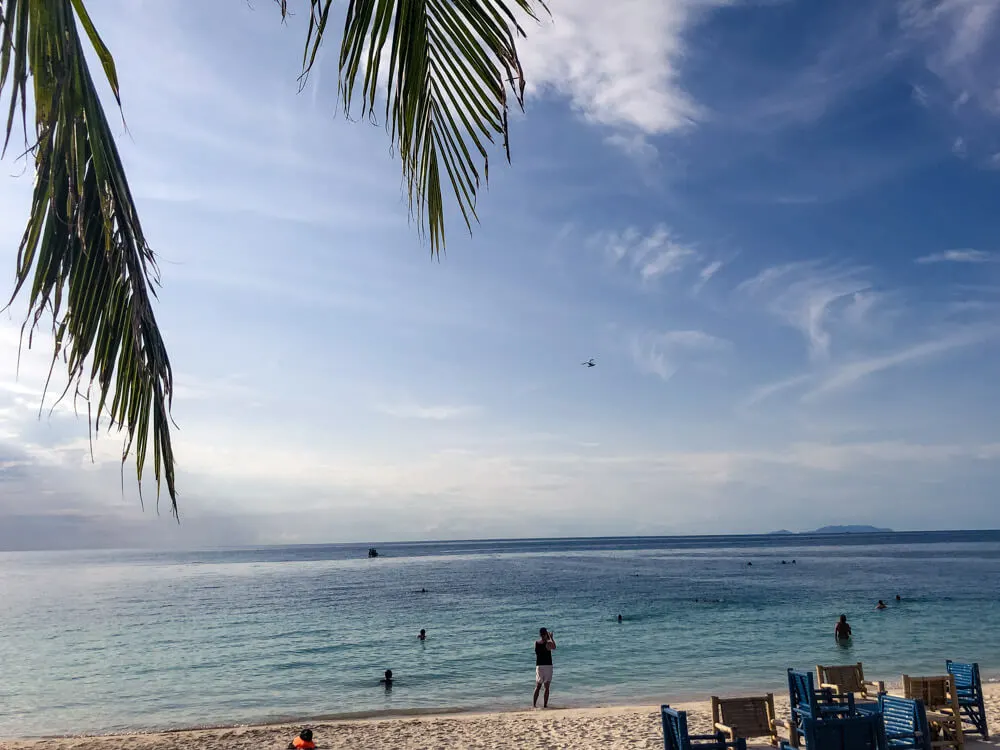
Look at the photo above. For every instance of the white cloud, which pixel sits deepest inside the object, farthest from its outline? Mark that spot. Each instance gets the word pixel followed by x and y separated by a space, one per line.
pixel 957 42
pixel 436 413
pixel 705 275
pixel 965 255
pixel 619 63
pixel 812 297
pixel 651 255
pixel 847 375
pixel 766 391
pixel 662 354
pixel 636 146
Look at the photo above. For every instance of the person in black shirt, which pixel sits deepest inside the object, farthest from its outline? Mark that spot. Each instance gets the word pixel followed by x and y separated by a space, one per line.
pixel 842 632
pixel 544 647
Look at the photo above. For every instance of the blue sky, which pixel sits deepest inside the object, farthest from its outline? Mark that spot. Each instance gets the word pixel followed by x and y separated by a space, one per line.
pixel 773 225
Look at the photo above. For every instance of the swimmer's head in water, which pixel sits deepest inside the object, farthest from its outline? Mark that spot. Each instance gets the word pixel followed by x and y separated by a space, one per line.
pixel 423 632
pixel 542 632
pixel 843 618
pixel 388 675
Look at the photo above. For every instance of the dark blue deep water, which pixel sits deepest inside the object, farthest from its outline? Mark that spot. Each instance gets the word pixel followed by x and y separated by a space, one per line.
pixel 106 641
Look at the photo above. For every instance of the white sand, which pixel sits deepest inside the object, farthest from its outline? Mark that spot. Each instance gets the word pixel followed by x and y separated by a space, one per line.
pixel 614 728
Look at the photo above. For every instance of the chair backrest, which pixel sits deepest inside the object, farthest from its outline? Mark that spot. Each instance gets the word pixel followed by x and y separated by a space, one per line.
pixel 801 693
pixel 935 692
pixel 858 732
pixel 966 676
pixel 751 717
pixel 849 678
pixel 905 721
pixel 675 729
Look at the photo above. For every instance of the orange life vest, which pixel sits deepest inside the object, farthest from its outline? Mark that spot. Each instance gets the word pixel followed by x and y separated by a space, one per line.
pixel 301 744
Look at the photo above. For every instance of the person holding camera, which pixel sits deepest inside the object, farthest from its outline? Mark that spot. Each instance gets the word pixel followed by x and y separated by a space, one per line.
pixel 544 647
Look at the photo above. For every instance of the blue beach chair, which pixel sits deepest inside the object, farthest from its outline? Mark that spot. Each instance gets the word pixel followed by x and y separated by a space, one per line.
pixel 808 702
pixel 969 687
pixel 857 732
pixel 676 737
pixel 905 722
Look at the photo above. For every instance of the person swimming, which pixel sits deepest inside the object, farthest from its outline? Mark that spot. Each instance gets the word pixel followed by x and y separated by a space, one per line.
pixel 842 632
pixel 898 599
pixel 620 618
pixel 423 635
pixel 387 680
pixel 303 742
pixel 881 605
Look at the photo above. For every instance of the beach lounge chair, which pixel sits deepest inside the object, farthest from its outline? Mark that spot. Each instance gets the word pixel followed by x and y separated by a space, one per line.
pixel 745 717
pixel 969 687
pixel 676 737
pixel 849 678
pixel 808 702
pixel 905 722
pixel 857 732
pixel 943 712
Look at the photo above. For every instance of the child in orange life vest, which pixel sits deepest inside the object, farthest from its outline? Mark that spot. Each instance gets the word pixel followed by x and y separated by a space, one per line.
pixel 303 742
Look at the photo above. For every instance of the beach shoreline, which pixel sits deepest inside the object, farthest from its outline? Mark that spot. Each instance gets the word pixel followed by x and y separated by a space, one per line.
pixel 634 725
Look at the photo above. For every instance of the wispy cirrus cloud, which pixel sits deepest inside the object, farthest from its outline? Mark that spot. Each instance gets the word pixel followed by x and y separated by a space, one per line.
pixel 432 412
pixel 663 354
pixel 651 255
pixel 705 275
pixel 956 40
pixel 813 297
pixel 956 36
pixel 964 255
pixel 850 374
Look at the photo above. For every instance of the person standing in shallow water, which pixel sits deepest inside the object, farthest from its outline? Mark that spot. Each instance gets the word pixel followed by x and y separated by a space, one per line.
pixel 544 647
pixel 842 632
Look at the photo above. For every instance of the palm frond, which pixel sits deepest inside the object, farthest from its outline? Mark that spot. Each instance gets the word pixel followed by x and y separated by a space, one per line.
pixel 83 248
pixel 449 66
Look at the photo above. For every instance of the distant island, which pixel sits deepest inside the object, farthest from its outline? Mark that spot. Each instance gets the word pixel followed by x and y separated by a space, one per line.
pixel 838 530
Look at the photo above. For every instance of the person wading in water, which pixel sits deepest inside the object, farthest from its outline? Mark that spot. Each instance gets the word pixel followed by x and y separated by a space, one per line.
pixel 544 647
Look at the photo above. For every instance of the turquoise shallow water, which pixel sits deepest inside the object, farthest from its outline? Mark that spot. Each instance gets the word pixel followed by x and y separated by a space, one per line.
pixel 109 641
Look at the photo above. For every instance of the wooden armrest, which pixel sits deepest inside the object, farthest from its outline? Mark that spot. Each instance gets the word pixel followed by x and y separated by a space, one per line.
pixel 877 684
pixel 825 686
pixel 726 729
pixel 940 716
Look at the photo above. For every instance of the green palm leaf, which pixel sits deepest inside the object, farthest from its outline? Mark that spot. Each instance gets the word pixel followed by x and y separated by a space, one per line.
pixel 83 249
pixel 448 64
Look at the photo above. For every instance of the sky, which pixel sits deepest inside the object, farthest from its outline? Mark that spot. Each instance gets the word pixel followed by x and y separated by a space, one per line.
pixel 772 223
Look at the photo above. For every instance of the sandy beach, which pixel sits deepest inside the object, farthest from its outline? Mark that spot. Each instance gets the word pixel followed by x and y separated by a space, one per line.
pixel 614 728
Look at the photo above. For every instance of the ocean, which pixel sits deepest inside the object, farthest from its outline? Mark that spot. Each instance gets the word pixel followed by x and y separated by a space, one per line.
pixel 116 641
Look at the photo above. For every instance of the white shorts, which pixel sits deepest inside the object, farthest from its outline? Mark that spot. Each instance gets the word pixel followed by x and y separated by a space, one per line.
pixel 543 673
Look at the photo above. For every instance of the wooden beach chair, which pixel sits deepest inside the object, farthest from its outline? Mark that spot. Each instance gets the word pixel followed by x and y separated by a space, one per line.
pixel 745 717
pixel 857 732
pixel 969 687
pixel 943 712
pixel 808 702
pixel 849 678
pixel 676 737
pixel 905 722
